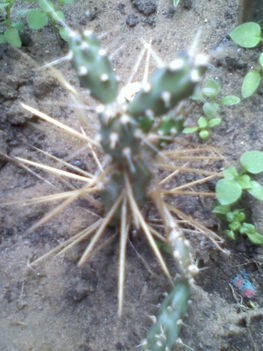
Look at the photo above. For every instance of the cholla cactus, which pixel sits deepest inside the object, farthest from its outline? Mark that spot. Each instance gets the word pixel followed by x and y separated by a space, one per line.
pixel 122 133
pixel 130 133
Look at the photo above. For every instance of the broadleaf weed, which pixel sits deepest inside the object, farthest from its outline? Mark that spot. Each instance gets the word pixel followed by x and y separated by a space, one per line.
pixel 249 35
pixel 36 18
pixel 208 97
pixel 232 188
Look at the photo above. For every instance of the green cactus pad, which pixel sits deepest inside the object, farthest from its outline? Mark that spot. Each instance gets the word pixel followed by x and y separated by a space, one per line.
pixel 93 66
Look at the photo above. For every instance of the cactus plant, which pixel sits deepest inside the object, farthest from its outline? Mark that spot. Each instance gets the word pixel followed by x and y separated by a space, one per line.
pixel 165 331
pixel 130 134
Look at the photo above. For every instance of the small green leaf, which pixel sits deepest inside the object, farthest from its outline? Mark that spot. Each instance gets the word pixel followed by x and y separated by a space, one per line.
pixel 230 217
pixel 256 190
pixel 230 100
pixel 190 130
pixel 59 15
pixel 250 230
pixel 46 6
pixel 228 191
pixel 247 35
pixel 244 181
pixel 211 109
pixel 234 226
pixel 256 238
pixel 204 134
pixel 240 215
pixel 221 210
pixel 12 37
pixel 252 161
pixel 247 228
pixel 230 234
pixel 202 122
pixel 250 83
pixel 63 32
pixel 211 89
pixel 230 173
pixel 198 96
pixel 260 60
pixel 214 122
pixel 36 19
pixel 176 3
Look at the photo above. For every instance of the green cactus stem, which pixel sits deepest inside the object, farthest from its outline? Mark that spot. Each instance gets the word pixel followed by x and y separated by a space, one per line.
pixel 93 66
pixel 168 86
pixel 118 135
pixel 166 330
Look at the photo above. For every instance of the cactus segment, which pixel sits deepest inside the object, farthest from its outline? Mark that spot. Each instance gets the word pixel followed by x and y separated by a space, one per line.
pixel 180 252
pixel 93 66
pixel 168 86
pixel 165 331
pixel 118 135
pixel 120 139
pixel 110 194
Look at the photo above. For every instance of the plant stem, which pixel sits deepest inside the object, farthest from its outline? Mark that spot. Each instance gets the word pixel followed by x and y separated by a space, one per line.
pixel 8 15
pixel 53 25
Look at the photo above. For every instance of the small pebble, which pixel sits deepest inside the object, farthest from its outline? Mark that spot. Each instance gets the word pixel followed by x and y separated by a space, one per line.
pixel 146 7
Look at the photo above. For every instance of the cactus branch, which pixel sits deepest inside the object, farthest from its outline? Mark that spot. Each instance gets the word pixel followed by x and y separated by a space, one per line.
pixel 166 330
pixel 93 66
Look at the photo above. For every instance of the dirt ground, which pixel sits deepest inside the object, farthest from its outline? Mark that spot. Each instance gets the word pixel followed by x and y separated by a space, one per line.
pixel 58 306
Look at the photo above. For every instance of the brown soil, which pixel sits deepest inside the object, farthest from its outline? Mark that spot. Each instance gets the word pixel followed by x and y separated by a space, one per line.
pixel 58 306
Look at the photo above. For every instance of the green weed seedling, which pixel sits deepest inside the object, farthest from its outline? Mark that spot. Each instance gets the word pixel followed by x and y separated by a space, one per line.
pixel 208 96
pixel 249 35
pixel 36 18
pixel 176 3
pixel 230 190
